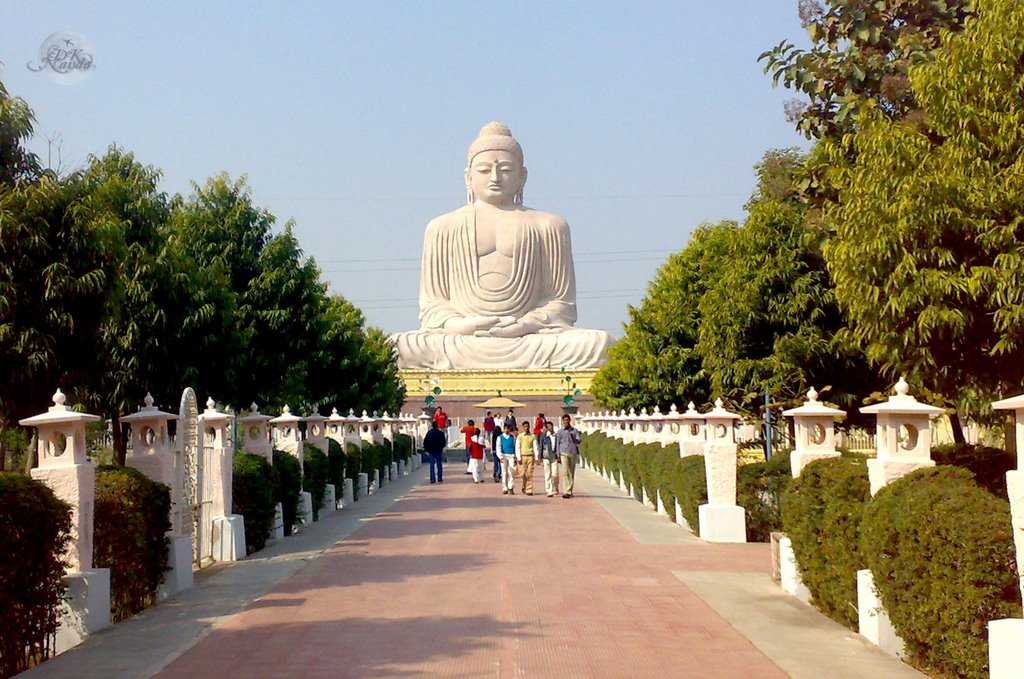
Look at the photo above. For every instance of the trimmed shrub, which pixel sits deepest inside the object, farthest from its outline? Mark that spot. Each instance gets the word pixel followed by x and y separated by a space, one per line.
pixel 689 485
pixel 371 459
pixel 759 490
pixel 35 528
pixel 941 550
pixel 353 465
pixel 336 462
pixel 315 470
pixel 821 514
pixel 252 496
pixel 403 447
pixel 988 465
pixel 132 517
pixel 667 459
pixel 287 486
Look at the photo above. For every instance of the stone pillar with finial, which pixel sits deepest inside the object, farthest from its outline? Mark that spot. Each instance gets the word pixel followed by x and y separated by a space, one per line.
pixel 903 443
pixel 694 434
pixel 66 469
pixel 1006 637
pixel 335 429
pixel 316 436
pixel 721 520
pixel 228 529
pixel 255 433
pixel 152 454
pixel 814 423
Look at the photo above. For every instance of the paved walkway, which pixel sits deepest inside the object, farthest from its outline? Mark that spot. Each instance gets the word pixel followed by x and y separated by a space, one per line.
pixel 456 580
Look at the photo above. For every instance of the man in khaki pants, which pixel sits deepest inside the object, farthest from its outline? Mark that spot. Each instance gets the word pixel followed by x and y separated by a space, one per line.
pixel 567 446
pixel 525 450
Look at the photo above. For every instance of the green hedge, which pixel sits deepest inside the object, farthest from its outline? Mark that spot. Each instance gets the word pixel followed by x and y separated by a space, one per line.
pixel 941 550
pixel 336 462
pixel 821 514
pixel 287 486
pixel 688 481
pixel 353 466
pixel 315 470
pixel 35 529
pixel 131 521
pixel 252 496
pixel 759 490
pixel 403 447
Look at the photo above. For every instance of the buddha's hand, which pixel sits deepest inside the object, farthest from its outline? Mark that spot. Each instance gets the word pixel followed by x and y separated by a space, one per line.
pixel 512 327
pixel 469 325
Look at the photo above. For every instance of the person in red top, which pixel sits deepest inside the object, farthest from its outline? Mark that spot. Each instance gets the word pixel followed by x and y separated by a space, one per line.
pixel 441 417
pixel 538 424
pixel 475 447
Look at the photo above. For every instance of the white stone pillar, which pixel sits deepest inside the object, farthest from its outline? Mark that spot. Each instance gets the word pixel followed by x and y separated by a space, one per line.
pixel 316 431
pixel 352 426
pixel 152 455
pixel 903 442
pixel 1006 637
pixel 67 471
pixel 694 432
pixel 721 520
pixel 814 423
pixel 228 529
pixel 334 428
pixel 255 434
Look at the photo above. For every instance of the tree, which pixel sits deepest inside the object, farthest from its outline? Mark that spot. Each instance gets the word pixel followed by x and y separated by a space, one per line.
pixel 16 126
pixel 861 54
pixel 656 362
pixel 927 257
pixel 770 322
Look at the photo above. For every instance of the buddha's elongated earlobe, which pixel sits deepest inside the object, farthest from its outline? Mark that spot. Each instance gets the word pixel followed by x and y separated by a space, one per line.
pixel 470 198
pixel 518 198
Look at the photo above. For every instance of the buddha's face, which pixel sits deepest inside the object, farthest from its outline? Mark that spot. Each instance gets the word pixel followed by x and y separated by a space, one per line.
pixel 496 177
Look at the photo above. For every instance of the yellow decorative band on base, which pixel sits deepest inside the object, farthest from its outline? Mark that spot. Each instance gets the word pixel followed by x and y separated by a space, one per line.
pixel 490 382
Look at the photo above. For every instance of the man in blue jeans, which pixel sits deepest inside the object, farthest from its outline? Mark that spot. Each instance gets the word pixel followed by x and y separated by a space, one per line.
pixel 434 443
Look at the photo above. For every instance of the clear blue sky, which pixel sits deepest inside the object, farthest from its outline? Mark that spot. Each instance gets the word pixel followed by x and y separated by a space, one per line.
pixel 640 120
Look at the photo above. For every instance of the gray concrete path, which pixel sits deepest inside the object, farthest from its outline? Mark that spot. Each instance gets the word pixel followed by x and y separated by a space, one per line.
pixel 148 642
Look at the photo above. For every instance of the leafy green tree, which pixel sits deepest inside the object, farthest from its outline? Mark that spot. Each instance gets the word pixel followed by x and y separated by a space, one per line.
pixel 17 120
pixel 657 361
pixel 861 52
pixel 769 320
pixel 927 256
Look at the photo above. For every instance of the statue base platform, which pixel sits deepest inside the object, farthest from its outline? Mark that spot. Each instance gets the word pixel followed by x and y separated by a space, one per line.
pixel 539 390
pixel 722 523
pixel 873 622
pixel 85 609
pixel 179 567
pixel 228 538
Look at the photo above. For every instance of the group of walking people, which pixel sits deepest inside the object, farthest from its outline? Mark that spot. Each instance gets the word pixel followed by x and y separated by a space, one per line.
pixel 515 449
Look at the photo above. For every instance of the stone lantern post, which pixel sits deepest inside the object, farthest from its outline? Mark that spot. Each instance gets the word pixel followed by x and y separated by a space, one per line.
pixel 288 439
pixel 67 471
pixel 352 435
pixel 630 431
pixel 902 436
pixel 335 429
pixel 903 442
pixel 815 432
pixel 286 434
pixel 153 455
pixel 228 529
pixel 721 520
pixel 694 432
pixel 668 422
pixel 256 434
pixel 1006 637
pixel 316 431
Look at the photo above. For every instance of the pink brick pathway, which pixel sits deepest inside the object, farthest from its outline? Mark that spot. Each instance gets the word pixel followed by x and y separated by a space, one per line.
pixel 457 580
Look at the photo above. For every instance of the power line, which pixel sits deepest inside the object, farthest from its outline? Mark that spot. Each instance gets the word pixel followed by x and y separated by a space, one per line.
pixel 617 260
pixel 593 253
pixel 448 196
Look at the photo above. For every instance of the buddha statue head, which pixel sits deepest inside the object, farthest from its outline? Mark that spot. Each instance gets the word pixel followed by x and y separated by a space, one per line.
pixel 495 173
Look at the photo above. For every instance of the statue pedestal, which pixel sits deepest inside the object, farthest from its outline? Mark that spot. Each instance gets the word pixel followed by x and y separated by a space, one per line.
pixel 305 508
pixel 85 609
pixel 540 390
pixel 278 531
pixel 348 495
pixel 364 484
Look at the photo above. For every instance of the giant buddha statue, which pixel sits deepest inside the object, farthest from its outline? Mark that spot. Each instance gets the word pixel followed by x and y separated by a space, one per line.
pixel 497 285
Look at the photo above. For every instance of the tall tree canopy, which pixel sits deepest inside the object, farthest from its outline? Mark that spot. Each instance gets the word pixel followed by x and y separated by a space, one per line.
pixel 928 252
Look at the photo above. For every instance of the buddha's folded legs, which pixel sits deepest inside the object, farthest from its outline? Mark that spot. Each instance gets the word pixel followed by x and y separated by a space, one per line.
pixel 575 348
